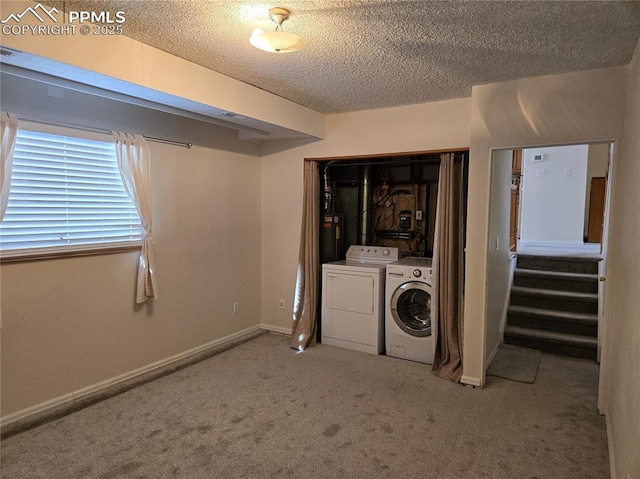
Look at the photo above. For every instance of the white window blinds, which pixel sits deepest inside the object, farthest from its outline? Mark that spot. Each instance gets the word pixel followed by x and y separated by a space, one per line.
pixel 66 195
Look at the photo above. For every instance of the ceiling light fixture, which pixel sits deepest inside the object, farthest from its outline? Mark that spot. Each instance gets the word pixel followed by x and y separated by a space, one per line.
pixel 276 41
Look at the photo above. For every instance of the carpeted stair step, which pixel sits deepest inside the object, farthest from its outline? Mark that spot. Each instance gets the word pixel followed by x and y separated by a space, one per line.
pixel 552 320
pixel 556 300
pixel 552 342
pixel 557 280
pixel 567 264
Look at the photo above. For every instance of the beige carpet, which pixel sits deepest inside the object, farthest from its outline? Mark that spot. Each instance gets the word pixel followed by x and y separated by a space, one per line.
pixel 261 410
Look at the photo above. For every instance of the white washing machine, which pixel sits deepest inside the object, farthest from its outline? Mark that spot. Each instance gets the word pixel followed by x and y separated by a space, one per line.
pixel 352 313
pixel 409 329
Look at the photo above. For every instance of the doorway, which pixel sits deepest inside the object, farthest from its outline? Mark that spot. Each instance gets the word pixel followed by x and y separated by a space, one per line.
pixel 558 198
pixel 589 221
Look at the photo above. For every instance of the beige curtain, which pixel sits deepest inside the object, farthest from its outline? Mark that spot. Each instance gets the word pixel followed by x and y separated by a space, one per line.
pixel 305 315
pixel 449 268
pixel 134 162
pixel 9 132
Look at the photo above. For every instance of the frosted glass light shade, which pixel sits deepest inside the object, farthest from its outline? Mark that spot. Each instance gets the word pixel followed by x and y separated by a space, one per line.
pixel 276 41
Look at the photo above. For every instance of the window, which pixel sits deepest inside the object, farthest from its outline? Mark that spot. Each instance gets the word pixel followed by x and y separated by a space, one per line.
pixel 66 197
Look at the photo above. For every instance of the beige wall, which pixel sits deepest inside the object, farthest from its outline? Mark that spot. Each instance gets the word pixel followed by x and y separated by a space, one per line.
pixel 71 323
pixel 432 126
pixel 498 265
pixel 620 371
pixel 550 110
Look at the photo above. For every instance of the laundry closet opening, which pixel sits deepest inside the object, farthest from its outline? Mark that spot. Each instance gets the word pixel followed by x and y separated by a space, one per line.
pixel 387 201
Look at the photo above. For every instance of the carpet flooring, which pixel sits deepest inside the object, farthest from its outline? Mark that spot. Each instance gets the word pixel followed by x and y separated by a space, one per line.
pixel 262 410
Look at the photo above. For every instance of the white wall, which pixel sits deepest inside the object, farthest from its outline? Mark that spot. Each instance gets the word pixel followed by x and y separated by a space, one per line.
pixel 620 367
pixel 576 107
pixel 432 126
pixel 553 205
pixel 72 323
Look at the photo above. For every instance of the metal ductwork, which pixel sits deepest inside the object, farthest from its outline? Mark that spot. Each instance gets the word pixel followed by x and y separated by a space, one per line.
pixel 366 199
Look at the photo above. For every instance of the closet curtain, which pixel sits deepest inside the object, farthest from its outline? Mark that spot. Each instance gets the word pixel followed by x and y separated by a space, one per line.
pixel 305 315
pixel 134 162
pixel 449 268
pixel 9 131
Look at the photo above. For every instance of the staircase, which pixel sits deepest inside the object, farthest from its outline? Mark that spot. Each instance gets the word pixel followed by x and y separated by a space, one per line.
pixel 554 305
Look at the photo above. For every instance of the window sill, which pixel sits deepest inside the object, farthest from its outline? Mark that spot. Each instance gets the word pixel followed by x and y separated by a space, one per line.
pixel 68 254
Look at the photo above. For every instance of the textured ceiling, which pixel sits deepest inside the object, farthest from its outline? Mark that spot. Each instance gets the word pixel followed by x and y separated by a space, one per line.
pixel 376 53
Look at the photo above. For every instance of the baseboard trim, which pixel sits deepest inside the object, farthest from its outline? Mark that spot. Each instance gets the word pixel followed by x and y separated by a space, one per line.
pixel 63 405
pixel 469 381
pixel 276 329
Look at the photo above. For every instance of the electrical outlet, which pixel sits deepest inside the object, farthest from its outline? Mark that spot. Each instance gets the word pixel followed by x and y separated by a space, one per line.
pixel 281 303
pixel 236 307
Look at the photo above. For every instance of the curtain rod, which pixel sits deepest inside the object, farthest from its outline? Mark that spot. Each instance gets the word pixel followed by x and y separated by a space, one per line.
pixel 390 161
pixel 49 121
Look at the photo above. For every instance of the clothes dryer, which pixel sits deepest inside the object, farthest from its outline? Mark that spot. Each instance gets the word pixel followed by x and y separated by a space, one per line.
pixel 352 313
pixel 409 329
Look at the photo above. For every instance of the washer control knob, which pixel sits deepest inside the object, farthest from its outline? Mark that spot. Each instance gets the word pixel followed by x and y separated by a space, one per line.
pixel 417 273
pixel 386 252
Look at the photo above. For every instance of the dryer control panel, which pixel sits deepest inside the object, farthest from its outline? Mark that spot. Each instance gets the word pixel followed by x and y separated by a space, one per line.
pixel 380 254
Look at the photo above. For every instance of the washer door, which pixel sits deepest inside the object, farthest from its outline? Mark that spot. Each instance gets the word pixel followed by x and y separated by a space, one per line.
pixel 411 308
